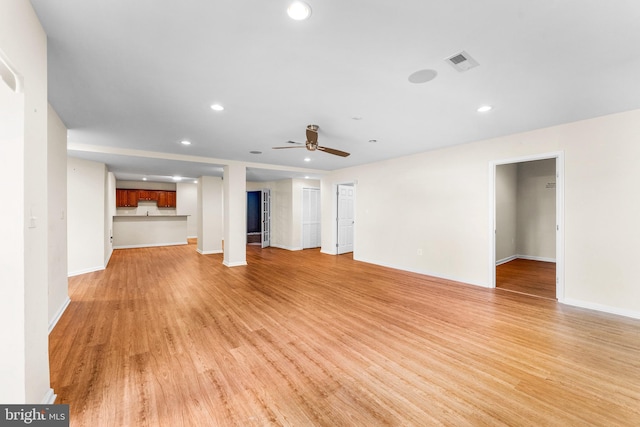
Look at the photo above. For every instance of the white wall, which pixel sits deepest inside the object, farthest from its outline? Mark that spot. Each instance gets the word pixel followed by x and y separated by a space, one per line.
pixel 187 204
pixel 24 364
pixel 536 211
pixel 57 195
pixel 86 183
pixel 439 202
pixel 506 212
pixel 210 219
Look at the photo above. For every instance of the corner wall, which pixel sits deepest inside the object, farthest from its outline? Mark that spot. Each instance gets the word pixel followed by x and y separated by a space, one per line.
pixel 438 202
pixel 57 195
pixel 86 198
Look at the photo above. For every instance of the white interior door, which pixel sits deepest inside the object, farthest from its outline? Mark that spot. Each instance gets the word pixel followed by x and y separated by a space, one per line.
pixel 266 217
pixel 346 199
pixel 310 218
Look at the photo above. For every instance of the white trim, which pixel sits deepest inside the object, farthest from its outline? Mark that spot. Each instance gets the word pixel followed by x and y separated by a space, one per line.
pixel 234 264
pixel 150 245
pixel 218 251
pixel 192 237
pixel 536 258
pixel 49 397
pixel 529 257
pixel 559 157
pixel 85 271
pixel 424 273
pixel 61 310
pixel 288 248
pixel 506 260
pixel 602 308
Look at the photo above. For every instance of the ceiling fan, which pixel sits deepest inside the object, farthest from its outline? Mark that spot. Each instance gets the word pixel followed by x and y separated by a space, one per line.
pixel 312 143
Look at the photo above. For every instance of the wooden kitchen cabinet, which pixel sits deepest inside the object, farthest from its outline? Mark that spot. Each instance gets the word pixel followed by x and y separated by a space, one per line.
pixel 126 198
pixel 148 195
pixel 166 199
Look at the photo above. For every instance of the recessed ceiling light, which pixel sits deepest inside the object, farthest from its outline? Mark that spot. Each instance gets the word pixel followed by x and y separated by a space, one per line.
pixel 195 182
pixel 356 118
pixel 307 159
pixel 144 179
pixel 177 178
pixel 255 152
pixel 299 10
pixel 423 76
pixel 485 108
pixel 306 177
pixel 185 142
pixel 217 107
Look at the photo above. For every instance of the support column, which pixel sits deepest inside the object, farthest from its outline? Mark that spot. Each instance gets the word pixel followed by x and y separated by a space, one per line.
pixel 210 231
pixel 235 215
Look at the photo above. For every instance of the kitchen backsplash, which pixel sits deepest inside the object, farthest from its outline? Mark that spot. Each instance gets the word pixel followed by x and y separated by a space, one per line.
pixel 143 208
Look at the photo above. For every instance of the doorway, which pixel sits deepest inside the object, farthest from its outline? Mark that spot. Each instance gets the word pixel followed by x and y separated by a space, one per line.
pixel 345 218
pixel 527 255
pixel 259 217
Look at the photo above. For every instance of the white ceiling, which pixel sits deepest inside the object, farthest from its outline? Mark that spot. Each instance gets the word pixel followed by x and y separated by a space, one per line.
pixel 142 75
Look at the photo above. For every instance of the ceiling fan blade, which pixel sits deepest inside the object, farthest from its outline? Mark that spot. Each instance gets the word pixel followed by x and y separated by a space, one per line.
pixel 312 134
pixel 333 151
pixel 296 146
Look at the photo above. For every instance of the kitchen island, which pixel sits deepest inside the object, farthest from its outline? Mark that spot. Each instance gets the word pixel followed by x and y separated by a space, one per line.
pixel 138 231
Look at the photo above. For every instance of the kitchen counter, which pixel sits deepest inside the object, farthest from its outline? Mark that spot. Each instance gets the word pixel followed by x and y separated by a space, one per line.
pixel 140 231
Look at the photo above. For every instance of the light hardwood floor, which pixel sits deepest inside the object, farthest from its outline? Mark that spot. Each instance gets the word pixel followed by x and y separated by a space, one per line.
pixel 528 277
pixel 168 337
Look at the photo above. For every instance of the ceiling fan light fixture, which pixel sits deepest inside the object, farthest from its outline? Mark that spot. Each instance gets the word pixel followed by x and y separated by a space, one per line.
pixel 299 11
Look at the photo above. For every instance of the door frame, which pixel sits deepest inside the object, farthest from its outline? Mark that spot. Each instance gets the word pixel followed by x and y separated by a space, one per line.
pixel 559 158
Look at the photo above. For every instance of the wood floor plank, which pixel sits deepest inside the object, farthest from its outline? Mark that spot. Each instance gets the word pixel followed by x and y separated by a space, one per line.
pixel 168 337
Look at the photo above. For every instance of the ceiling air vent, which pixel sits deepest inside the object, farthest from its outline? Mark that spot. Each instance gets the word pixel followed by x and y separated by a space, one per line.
pixel 462 61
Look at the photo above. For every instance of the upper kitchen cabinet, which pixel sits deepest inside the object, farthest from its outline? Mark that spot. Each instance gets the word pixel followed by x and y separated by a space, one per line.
pixel 147 195
pixel 166 199
pixel 126 198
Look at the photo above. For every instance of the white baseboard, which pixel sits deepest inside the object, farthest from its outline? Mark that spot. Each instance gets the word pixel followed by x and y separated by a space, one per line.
pixel 54 321
pixel 529 257
pixel 288 248
pixel 49 397
pixel 85 271
pixel 506 260
pixel 536 258
pixel 218 251
pixel 601 307
pixel 424 272
pixel 234 264
pixel 150 245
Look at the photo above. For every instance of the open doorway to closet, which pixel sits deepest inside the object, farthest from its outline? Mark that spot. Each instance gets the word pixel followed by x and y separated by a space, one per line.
pixel 527 222
pixel 259 217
